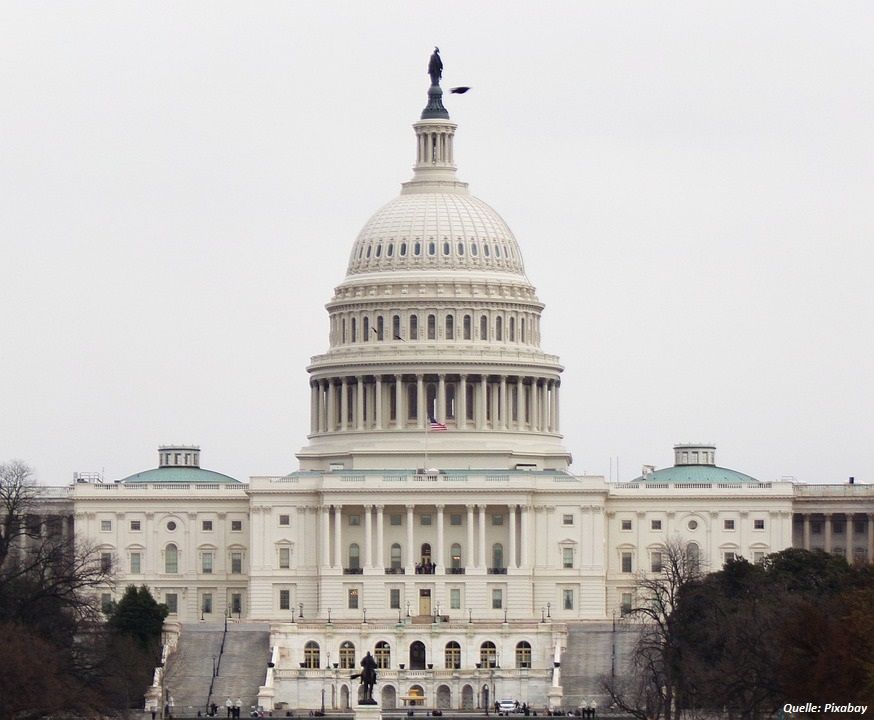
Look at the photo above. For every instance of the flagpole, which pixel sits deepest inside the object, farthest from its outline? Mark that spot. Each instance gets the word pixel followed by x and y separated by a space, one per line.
pixel 427 430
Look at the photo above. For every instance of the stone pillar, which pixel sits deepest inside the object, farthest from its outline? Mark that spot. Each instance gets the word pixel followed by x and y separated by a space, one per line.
pixel 411 562
pixel 534 409
pixel 420 402
pixel 441 398
pixel 368 536
pixel 511 561
pixel 359 403
pixel 378 402
pixel 344 404
pixel 314 408
pixel 552 390
pixel 326 536
pixel 544 407
pixel 482 536
pixel 338 536
pixel 805 541
pixel 380 537
pixel 525 538
pixel 323 407
pixel 827 530
pixel 441 553
pixel 520 403
pixel 483 399
pixel 505 414
pixel 461 403
pixel 468 553
pixel 399 404
pixel 332 407
pixel 557 408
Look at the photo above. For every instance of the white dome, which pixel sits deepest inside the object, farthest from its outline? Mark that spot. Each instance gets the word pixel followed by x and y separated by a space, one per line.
pixel 436 230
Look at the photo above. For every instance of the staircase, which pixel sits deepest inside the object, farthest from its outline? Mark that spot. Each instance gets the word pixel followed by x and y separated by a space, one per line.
pixel 242 667
pixel 588 659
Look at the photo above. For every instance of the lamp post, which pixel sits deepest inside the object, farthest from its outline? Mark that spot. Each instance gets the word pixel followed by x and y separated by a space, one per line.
pixel 300 605
pixel 469 615
pixel 505 615
pixel 364 611
pixel 542 617
pixel 548 606
pixel 329 615
pixel 408 608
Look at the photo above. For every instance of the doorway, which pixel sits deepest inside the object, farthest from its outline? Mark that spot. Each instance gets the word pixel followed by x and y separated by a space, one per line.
pixel 424 601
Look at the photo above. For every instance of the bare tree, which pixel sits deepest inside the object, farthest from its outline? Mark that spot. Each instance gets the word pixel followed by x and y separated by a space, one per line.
pixel 17 500
pixel 649 688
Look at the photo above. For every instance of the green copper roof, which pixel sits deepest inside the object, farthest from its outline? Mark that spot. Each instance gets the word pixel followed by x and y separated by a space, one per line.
pixel 179 475
pixel 697 474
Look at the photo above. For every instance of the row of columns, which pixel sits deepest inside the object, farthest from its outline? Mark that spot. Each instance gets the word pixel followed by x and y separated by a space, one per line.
pixel 828 532
pixel 332 518
pixel 363 403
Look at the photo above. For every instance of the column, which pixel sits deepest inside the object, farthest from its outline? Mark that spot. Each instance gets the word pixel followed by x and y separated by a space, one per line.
pixel 332 407
pixel 505 415
pixel 805 543
pixel 338 536
pixel 483 399
pixel 326 537
pixel 368 536
pixel 461 403
pixel 411 554
pixel 441 398
pixel 525 538
pixel 359 403
pixel 323 407
pixel 512 555
pixel 399 406
pixel 520 403
pixel 552 406
pixel 482 536
pixel 378 402
pixel 468 551
pixel 557 409
pixel 344 404
pixel 441 555
pixel 314 408
pixel 533 410
pixel 827 529
pixel 380 538
pixel 544 407
pixel 420 402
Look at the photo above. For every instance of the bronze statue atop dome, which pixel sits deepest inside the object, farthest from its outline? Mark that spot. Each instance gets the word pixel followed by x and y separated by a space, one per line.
pixel 434 108
pixel 435 67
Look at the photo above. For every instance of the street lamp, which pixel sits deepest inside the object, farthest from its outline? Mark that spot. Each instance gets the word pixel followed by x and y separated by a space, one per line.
pixel 408 608
pixel 329 615
pixel 548 606
pixel 364 610
pixel 542 618
pixel 300 605
pixel 469 615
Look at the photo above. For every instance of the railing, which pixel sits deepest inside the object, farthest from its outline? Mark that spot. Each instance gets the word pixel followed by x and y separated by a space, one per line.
pixel 455 571
pixel 353 571
pixel 497 571
pixel 218 664
pixel 395 571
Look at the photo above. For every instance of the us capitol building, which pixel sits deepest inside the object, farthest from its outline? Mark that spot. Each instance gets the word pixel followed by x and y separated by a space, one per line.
pixel 433 521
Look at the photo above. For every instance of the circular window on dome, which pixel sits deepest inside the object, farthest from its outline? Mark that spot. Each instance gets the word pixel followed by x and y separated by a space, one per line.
pixel 461 248
pixel 403 250
pixel 417 249
pixel 693 524
pixel 474 249
pixel 432 248
pixel 446 248
pixel 378 250
pixel 390 250
pixel 486 250
pixel 171 526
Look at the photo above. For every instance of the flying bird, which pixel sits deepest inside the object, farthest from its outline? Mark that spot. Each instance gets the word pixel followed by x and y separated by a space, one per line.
pixel 459 90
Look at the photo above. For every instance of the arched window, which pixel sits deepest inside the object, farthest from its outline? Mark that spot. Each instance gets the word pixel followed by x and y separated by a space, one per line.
pixel 354 557
pixel 499 328
pixel 414 327
pixel 390 250
pixel 396 327
pixel 461 248
pixel 523 654
pixel 171 559
pixel 693 555
pixel 417 655
pixel 354 330
pixel 486 250
pixel 452 655
pixel 450 327
pixel 432 327
pixel 488 654
pixel 382 655
pixel 403 249
pixel 347 655
pixel 426 553
pixel 343 330
pixel 432 248
pixel 512 329
pixel 483 328
pixel 380 329
pixel 467 328
pixel 365 330
pixel 455 556
pixel 522 329
pixel 417 248
pixel 474 249
pixel 378 249
pixel 497 556
pixel 396 556
pixel 446 248
pixel 311 654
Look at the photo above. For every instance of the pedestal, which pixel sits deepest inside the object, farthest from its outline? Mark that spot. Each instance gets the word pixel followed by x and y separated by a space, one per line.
pixel 367 712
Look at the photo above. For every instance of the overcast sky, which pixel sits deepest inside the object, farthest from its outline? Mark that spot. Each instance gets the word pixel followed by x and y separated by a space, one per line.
pixel 691 185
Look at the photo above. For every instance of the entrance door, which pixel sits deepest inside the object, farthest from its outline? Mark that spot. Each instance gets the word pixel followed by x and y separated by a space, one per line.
pixel 417 655
pixel 424 602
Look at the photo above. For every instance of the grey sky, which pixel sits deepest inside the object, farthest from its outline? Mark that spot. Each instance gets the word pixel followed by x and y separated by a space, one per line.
pixel 690 184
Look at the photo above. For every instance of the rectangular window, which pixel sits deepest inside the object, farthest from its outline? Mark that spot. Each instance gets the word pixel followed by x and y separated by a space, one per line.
pixel 106 603
pixel 626 524
pixel 285 520
pixel 839 527
pixel 567 599
pixel 136 566
pixel 354 520
pixel 567 519
pixel 395 520
pixel 106 526
pixel 135 526
pixel 728 525
pixel 626 562
pixel 497 519
pixel 284 599
pixel 206 563
pixel 236 563
pixel 626 603
pixel 567 557
pixel 455 519
pixel 206 526
pixel 284 557
pixel 655 525
pixel 171 600
pixel 758 524
pixel 497 599
pixel 236 526
pixel 206 603
pixel 353 598
pixel 237 603
pixel 758 557
pixel 728 557
pixel 425 519
pixel 656 562
pixel 455 598
pixel 106 562
pixel 394 598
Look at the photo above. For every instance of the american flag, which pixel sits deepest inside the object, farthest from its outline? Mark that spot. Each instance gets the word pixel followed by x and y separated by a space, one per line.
pixel 437 426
